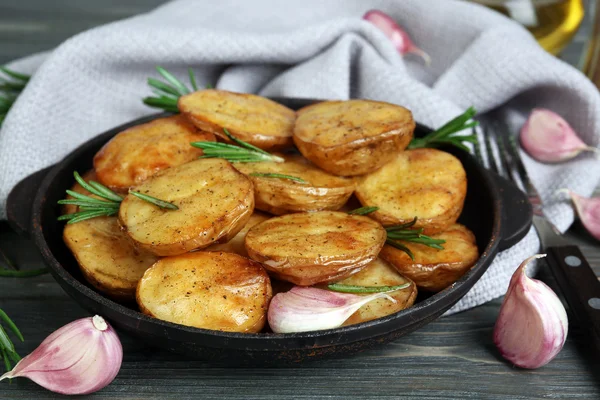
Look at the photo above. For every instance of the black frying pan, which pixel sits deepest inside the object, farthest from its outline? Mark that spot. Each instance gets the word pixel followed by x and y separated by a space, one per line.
pixel 495 210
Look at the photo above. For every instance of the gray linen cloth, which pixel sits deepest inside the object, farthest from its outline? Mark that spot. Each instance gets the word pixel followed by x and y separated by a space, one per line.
pixel 312 49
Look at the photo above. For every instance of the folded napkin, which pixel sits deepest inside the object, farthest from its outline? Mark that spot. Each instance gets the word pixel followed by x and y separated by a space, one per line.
pixel 313 49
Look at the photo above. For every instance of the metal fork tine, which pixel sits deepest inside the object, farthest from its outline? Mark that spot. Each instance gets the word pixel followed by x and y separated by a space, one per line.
pixel 499 135
pixel 492 165
pixel 477 149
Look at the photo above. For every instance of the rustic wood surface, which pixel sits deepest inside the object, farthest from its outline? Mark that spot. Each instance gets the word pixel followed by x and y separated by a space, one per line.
pixel 453 357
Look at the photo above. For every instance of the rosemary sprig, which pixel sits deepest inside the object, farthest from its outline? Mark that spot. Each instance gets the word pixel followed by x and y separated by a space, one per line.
pixel 11 85
pixel 7 349
pixel 170 90
pixel 279 176
pixel 404 233
pixel 337 287
pixel 448 133
pixel 92 207
pixel 242 152
pixel 363 210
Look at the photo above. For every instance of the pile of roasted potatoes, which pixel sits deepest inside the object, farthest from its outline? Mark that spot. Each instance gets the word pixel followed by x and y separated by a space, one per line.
pixel 240 236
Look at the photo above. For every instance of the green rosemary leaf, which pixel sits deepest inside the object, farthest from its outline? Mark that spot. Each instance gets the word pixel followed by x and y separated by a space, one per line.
pixel 208 86
pixel 402 226
pixel 13 355
pixel 402 247
pixel 4 357
pixel 14 74
pixel 181 88
pixel 157 202
pixel 233 153
pixel 192 79
pixel 104 192
pixel 7 262
pixel 12 86
pixel 166 103
pixel 88 214
pixel 4 317
pixel 89 203
pixel 244 144
pixel 5 341
pixel 24 273
pixel 280 176
pixel 449 133
pixel 163 87
pixel 363 210
pixel 338 287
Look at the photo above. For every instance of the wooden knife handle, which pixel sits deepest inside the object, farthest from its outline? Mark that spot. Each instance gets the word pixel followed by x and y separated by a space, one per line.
pixel 579 286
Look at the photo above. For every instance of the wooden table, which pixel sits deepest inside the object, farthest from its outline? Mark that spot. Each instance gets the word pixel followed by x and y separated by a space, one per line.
pixel 453 357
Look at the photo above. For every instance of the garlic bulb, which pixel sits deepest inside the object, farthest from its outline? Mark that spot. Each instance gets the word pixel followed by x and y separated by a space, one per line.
pixel 547 137
pixel 305 309
pixel 397 35
pixel 588 210
pixel 79 358
pixel 532 326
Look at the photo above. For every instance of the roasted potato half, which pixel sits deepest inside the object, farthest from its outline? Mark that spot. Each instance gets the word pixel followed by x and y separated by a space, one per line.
pixel 215 202
pixel 352 137
pixel 210 290
pixel 322 191
pixel 106 257
pixel 253 119
pixel 139 152
pixel 380 273
pixel 310 248
pixel 425 183
pixel 71 208
pixel 236 244
pixel 432 269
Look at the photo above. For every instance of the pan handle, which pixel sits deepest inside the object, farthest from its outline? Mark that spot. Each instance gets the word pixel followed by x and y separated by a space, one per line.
pixel 517 214
pixel 20 201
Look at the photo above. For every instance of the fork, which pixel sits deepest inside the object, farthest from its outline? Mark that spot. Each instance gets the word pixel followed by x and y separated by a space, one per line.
pixel 575 278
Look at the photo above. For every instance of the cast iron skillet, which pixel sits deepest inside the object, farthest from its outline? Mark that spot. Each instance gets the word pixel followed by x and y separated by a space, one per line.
pixel 495 210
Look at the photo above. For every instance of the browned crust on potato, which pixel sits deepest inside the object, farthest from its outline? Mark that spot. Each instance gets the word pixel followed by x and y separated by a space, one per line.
pixel 432 269
pixel 425 183
pixel 139 152
pixel 352 137
pixel 215 202
pixel 211 290
pixel 251 118
pixel 310 248
pixel 322 191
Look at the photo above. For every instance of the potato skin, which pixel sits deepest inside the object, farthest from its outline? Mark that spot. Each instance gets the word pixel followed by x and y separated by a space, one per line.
pixel 211 290
pixel 71 208
pixel 380 273
pixel 236 244
pixel 106 257
pixel 425 183
pixel 139 152
pixel 251 118
pixel 310 248
pixel 434 270
pixel 352 137
pixel 322 191
pixel 215 202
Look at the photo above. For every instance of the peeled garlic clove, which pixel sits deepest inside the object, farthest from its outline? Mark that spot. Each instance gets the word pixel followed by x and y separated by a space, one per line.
pixel 305 309
pixel 79 358
pixel 532 326
pixel 397 35
pixel 588 210
pixel 547 137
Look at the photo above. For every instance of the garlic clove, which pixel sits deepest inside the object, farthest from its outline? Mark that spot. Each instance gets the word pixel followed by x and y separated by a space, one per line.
pixel 547 137
pixel 81 357
pixel 532 326
pixel 303 309
pixel 397 35
pixel 588 210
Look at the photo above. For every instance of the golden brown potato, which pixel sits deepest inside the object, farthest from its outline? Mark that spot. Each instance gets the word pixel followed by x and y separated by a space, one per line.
pixel 71 208
pixel 380 273
pixel 309 248
pixel 425 183
pixel 236 244
pixel 352 137
pixel 434 270
pixel 215 202
pixel 139 152
pixel 106 257
pixel 210 290
pixel 253 119
pixel 322 191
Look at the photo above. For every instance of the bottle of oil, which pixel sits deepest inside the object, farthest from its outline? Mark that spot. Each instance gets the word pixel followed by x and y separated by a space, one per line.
pixel 552 22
